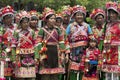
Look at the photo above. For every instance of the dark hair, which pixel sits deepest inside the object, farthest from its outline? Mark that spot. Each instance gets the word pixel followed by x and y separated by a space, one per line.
pixel 99 15
pixel 93 40
pixel 59 19
pixel 9 15
pixel 81 13
pixel 49 16
pixel 113 11
pixel 23 19
pixel 34 18
pixel 45 22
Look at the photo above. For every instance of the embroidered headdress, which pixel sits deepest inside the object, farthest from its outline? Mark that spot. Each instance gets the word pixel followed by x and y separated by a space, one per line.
pixel 34 13
pixel 6 11
pixel 21 15
pixel 66 10
pixel 47 11
pixel 114 6
pixel 79 8
pixel 96 12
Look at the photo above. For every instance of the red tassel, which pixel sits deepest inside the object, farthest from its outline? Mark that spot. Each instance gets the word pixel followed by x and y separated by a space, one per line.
pixel 19 64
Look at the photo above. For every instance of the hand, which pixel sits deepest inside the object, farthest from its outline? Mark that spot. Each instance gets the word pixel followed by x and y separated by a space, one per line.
pixel 67 58
pixel 37 61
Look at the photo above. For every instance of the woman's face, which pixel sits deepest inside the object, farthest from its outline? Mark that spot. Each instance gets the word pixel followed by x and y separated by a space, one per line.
pixel 24 24
pixel 92 44
pixel 51 21
pixel 33 23
pixel 112 15
pixel 59 21
pixel 66 19
pixel 7 20
pixel 99 19
pixel 79 17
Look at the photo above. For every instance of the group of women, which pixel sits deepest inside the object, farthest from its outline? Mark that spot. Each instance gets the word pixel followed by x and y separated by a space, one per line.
pixel 65 48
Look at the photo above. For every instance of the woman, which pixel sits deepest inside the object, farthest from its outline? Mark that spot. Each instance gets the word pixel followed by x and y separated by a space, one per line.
pixel 66 14
pixel 52 48
pixel 78 34
pixel 25 56
pixel 59 23
pixel 8 39
pixel 111 49
pixel 34 18
pixel 59 20
pixel 98 15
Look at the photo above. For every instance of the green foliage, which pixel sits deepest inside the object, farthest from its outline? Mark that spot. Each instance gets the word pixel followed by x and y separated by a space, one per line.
pixel 56 4
pixel 89 20
pixel 91 4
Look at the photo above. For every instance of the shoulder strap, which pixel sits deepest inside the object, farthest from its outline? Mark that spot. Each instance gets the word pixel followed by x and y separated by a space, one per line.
pixel 50 35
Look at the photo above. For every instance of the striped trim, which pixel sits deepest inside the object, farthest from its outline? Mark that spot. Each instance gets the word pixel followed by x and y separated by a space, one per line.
pixel 114 43
pixel 76 44
pixel 52 71
pixel 26 51
pixel 74 66
pixel 61 42
pixel 25 72
pixel 90 78
pixel 111 68
pixel 52 43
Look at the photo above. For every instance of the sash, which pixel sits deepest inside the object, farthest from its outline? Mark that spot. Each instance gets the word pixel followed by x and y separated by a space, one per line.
pixel 26 38
pixel 50 35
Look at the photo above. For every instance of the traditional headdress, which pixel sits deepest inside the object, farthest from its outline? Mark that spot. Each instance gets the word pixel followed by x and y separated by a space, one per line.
pixel 59 15
pixel 96 12
pixel 78 8
pixel 114 6
pixel 21 15
pixel 66 10
pixel 34 13
pixel 6 11
pixel 47 11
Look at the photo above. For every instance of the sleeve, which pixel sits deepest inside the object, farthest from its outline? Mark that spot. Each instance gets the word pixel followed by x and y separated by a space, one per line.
pixel 65 45
pixel 62 46
pixel 89 30
pixel 1 33
pixel 13 57
pixel 14 39
pixel 41 34
pixel 61 40
pixel 68 30
pixel 37 49
pixel 100 61
pixel 61 36
pixel 90 33
pixel 38 46
pixel 14 45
